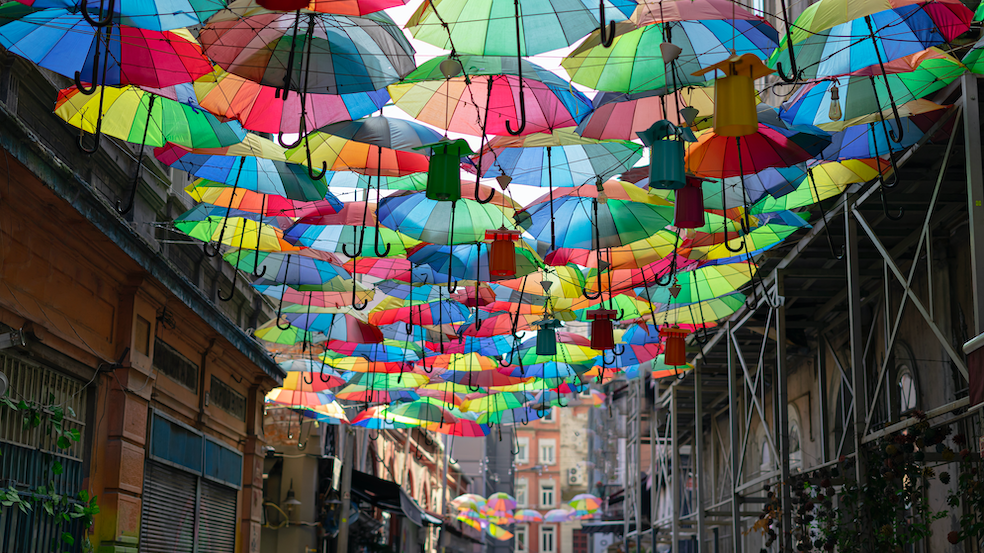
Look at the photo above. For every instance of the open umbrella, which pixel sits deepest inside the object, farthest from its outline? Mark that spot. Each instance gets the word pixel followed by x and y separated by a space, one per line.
pixel 634 62
pixel 306 372
pixel 527 515
pixel 488 27
pixel 346 233
pixel 621 116
pixel 486 95
pixel 336 54
pixel 462 222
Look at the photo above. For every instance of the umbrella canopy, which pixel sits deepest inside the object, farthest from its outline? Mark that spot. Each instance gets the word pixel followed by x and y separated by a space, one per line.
pixel 341 154
pixel 649 12
pixel 64 42
pixel 871 140
pixel 300 370
pixel 461 222
pixel 627 215
pixel 337 54
pixel 828 36
pixel 352 230
pixel 716 156
pixel 153 15
pixel 288 268
pixel 620 116
pixel 500 503
pixel 585 502
pixel 131 114
pixel 232 227
pixel 823 181
pixel 294 398
pixel 385 132
pixel 561 158
pixel 921 74
pixel 704 44
pixel 486 95
pixel 337 326
pixel 487 27
pixel 527 515
pixel 260 108
pixel 270 205
pixel 255 164
pixel 558 515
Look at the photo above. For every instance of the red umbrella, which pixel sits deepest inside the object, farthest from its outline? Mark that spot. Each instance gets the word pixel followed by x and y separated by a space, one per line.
pixel 718 157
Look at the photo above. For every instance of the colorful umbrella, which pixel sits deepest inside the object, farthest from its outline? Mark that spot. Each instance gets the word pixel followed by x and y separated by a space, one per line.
pixel 823 181
pixel 499 533
pixel 270 205
pixel 131 114
pixel 485 96
pixel 346 232
pixel 500 503
pixel 634 63
pixel 585 502
pixel 64 42
pixel 620 116
pixel 232 227
pixel 338 54
pixel 337 326
pixel 558 515
pixel 716 156
pixel 508 417
pixel 559 159
pixel 262 109
pixel 649 12
pixel 311 297
pixel 256 164
pixel 488 27
pixel 828 37
pixel 385 132
pixel 295 398
pixel 300 370
pixel 461 222
pixel 910 77
pixel 527 515
pixel 341 154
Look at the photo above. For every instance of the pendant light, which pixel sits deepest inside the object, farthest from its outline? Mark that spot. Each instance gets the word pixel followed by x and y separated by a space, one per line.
pixel 546 337
pixel 675 352
pixel 688 209
pixel 450 67
pixel 444 169
pixel 666 154
pixel 734 94
pixel 602 334
pixel 284 5
pixel 502 251
pixel 835 113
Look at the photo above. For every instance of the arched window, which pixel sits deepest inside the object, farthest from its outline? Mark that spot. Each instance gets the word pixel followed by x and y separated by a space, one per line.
pixel 907 390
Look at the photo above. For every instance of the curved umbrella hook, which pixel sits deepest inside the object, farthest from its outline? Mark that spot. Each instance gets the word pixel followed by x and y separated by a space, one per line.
pixel 519 73
pixel 90 91
pixel 724 209
pixel 604 358
pixel 452 284
pixel 225 220
pixel 379 185
pixel 324 360
pixel 105 21
pixel 481 146
pixel 597 244
pixel 606 38
pixel 891 98
pixel 280 306
pixel 239 255
pixel 883 186
pixel 794 74
pixel 282 92
pixel 618 350
pixel 355 304
pixel 136 174
pixel 256 254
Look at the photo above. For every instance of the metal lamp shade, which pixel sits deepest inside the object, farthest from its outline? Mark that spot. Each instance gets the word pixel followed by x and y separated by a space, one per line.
pixel 284 5
pixel 546 341
pixel 666 165
pixel 675 353
pixel 688 211
pixel 444 170
pixel 734 106
pixel 502 252
pixel 602 335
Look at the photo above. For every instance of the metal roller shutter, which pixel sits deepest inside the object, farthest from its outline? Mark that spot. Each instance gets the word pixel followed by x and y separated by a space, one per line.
pixel 167 520
pixel 217 518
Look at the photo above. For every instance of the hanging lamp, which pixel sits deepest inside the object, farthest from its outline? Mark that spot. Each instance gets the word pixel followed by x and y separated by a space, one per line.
pixel 666 154
pixel 675 352
pixel 502 251
pixel 688 208
pixel 835 112
pixel 546 337
pixel 284 5
pixel 602 334
pixel 734 94
pixel 444 169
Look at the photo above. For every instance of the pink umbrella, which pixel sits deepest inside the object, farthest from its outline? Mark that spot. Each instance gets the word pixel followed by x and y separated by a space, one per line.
pixel 558 515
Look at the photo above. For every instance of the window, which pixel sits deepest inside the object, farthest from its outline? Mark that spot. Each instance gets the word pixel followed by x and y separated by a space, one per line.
pixel 521 532
pixel 547 541
pixel 758 7
pixel 547 494
pixel 521 487
pixel 547 452
pixel 523 451
pixel 190 491
pixel 548 416
pixel 907 390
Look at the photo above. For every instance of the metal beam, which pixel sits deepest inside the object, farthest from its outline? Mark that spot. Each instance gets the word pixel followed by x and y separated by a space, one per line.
pixel 975 194
pixel 856 340
pixel 698 463
pixel 734 381
pixel 782 411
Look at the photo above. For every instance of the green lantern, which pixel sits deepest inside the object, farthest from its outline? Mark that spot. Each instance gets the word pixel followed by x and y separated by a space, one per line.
pixel 444 170
pixel 546 337
pixel 666 154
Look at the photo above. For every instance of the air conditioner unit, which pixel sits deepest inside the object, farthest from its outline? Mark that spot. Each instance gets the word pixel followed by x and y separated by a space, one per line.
pixel 573 476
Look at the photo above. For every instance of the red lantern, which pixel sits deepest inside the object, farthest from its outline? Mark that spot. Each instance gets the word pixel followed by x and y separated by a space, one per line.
pixel 502 251
pixel 602 335
pixel 689 210
pixel 284 5
pixel 675 353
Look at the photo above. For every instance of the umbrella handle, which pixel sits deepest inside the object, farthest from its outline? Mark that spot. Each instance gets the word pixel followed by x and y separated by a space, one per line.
pixel 519 73
pixel 136 175
pixel 310 167
pixel 98 133
pixel 304 378
pixel 491 193
pixel 619 349
pixel 239 255
pixel 289 145
pixel 891 98
pixel 98 23
pixel 355 305
pixel 884 203
pixel 792 77
pixel 604 358
pixel 452 284
pixel 321 374
pixel 598 253
pixel 724 209
pixel 606 38
pixel 385 252
pixel 256 255
pixel 823 214
pixel 358 246
pixel 95 63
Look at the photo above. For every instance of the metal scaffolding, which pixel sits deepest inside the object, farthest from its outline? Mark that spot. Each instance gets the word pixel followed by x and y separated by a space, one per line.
pixel 822 333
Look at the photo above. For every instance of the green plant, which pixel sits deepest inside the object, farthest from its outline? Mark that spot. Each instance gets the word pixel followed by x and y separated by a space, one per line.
pixel 968 494
pixel 63 508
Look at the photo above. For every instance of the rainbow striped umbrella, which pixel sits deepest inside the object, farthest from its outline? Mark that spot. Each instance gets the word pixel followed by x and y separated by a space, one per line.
pixel 585 503
pixel 527 515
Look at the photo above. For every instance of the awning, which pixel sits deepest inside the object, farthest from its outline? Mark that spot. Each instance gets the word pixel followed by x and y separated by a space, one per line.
pixel 390 497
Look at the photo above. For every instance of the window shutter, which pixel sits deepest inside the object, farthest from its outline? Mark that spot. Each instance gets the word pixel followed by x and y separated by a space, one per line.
pixel 167 520
pixel 217 518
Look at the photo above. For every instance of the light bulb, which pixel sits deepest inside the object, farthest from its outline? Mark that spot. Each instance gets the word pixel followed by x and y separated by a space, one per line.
pixel 835 112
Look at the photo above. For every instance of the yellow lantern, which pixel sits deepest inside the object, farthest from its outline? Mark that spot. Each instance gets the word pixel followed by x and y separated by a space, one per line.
pixel 734 94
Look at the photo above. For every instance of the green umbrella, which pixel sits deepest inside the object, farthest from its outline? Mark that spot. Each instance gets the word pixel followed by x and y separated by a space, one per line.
pixel 701 284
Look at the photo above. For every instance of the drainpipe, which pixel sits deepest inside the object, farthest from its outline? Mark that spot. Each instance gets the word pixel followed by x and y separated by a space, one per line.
pixel 202 396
